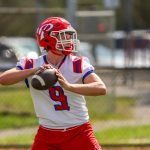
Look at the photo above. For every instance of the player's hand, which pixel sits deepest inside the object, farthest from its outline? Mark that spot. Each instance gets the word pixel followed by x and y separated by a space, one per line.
pixel 42 68
pixel 62 81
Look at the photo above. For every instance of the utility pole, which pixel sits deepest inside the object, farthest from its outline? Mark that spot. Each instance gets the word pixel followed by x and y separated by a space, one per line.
pixel 129 13
pixel 39 14
pixel 71 12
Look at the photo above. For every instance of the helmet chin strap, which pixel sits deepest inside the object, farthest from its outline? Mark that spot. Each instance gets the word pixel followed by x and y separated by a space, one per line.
pixel 59 54
pixel 66 53
pixel 54 52
pixel 62 52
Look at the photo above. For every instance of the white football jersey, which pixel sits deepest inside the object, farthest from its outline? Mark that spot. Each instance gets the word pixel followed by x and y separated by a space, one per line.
pixel 57 107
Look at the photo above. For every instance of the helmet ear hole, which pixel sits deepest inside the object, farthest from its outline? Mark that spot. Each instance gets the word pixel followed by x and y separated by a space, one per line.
pixel 48 47
pixel 46 40
pixel 49 33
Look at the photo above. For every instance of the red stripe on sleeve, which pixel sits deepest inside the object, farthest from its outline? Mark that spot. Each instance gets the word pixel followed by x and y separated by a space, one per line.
pixel 28 63
pixel 77 65
pixel 31 63
pixel 74 66
pixel 80 65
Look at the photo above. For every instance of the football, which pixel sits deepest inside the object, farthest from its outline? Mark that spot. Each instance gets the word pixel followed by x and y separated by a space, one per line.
pixel 44 80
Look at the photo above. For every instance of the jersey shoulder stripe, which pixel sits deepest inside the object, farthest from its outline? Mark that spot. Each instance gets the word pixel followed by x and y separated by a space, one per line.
pixel 28 63
pixel 77 64
pixel 45 59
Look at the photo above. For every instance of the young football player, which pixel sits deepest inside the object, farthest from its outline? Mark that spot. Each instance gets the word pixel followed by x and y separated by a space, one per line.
pixel 62 112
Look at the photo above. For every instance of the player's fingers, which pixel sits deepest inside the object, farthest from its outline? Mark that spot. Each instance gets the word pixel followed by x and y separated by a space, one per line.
pixel 58 73
pixel 47 66
pixel 39 70
pixel 60 76
pixel 58 70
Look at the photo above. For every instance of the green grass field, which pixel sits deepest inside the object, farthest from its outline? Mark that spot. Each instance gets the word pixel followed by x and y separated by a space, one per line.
pixel 16 107
pixel 16 111
pixel 119 135
pixel 125 135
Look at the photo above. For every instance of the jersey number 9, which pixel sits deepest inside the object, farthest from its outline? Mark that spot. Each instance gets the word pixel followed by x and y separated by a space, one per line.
pixel 57 94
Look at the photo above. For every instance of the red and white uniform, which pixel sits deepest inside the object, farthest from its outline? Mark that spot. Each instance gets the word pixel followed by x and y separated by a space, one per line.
pixel 58 108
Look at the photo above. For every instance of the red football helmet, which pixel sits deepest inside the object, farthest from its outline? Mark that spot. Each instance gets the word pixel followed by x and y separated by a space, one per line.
pixel 57 34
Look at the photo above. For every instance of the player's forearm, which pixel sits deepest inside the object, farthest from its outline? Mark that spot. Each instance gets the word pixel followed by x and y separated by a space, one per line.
pixel 91 89
pixel 13 76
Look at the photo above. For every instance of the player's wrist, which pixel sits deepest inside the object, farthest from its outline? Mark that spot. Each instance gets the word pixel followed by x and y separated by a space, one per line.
pixel 70 87
pixel 42 68
pixel 35 70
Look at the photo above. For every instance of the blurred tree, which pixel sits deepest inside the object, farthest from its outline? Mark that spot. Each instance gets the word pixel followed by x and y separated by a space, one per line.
pixel 25 24
pixel 31 3
pixel 121 16
pixel 17 3
pixel 90 4
pixel 142 11
pixel 140 18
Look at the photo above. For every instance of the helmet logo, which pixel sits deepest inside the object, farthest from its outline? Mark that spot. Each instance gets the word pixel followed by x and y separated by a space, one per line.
pixel 44 28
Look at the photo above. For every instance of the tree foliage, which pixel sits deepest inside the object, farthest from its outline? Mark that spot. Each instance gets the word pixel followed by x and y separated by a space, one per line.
pixel 25 24
pixel 139 18
pixel 141 13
